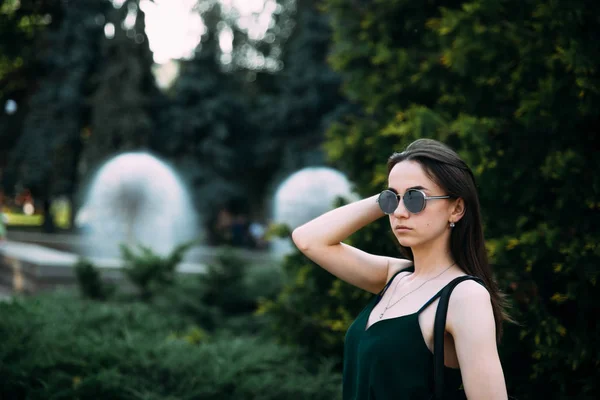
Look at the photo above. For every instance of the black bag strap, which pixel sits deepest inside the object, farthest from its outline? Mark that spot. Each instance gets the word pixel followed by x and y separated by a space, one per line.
pixel 439 328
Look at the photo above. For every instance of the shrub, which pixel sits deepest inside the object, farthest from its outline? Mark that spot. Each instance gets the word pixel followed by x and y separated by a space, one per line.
pixel 226 296
pixel 149 271
pixel 55 347
pixel 90 282
pixel 223 284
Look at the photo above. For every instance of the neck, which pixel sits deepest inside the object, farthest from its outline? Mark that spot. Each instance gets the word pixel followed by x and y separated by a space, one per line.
pixel 430 260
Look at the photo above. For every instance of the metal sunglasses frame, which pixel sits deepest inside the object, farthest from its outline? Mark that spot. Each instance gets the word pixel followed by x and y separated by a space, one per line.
pixel 400 197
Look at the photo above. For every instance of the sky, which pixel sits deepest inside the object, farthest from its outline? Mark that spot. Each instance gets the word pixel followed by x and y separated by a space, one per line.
pixel 174 28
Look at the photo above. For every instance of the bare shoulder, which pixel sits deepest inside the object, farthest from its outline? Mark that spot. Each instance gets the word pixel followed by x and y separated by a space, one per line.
pixel 470 305
pixel 397 264
pixel 469 291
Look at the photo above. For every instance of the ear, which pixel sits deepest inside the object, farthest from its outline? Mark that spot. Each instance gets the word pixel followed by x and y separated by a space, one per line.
pixel 457 210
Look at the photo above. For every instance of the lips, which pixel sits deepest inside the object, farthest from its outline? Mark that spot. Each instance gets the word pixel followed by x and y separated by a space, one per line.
pixel 402 228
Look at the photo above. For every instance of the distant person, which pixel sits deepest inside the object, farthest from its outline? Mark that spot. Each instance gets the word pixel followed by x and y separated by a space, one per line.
pixel 433 209
pixel 222 226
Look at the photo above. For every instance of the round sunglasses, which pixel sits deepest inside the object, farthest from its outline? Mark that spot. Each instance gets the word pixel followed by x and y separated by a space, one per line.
pixel 414 200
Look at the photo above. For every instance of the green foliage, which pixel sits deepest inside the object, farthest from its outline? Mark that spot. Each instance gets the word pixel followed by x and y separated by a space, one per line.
pixel 205 128
pixel 90 281
pixel 56 347
pixel 262 283
pixel 312 309
pixel 222 118
pixel 223 283
pixel 278 231
pixel 223 297
pixel 306 97
pixel 264 105
pixel 45 156
pixel 80 95
pixel 149 271
pixel 513 87
pixel 125 96
pixel 263 280
pixel 21 26
pixel 183 298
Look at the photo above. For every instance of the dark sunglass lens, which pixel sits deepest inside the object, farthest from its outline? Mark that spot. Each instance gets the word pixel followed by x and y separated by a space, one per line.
pixel 388 202
pixel 414 201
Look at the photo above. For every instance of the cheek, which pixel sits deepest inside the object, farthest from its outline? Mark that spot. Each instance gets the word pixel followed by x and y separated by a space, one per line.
pixel 433 223
pixel 437 216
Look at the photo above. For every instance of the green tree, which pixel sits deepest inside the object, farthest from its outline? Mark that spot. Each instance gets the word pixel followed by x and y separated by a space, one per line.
pixel 49 144
pixel 204 124
pixel 514 88
pixel 22 24
pixel 89 95
pixel 304 100
pixel 238 118
pixel 125 96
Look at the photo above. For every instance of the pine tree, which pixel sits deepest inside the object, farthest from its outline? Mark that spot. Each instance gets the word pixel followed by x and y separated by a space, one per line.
pixel 125 95
pixel 204 127
pixel 299 102
pixel 47 152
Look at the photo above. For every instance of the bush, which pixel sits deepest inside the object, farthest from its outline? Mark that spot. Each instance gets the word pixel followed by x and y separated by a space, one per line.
pixel 263 281
pixel 226 296
pixel 149 271
pixel 90 282
pixel 184 298
pixel 54 347
pixel 314 309
pixel 223 284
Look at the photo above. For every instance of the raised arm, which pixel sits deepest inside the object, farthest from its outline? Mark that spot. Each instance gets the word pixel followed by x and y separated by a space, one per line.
pixel 321 241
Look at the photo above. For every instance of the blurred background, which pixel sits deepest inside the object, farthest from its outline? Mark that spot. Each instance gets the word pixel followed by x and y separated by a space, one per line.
pixel 155 155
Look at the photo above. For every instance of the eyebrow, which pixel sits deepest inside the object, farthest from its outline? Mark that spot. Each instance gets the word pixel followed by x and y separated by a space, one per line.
pixel 412 187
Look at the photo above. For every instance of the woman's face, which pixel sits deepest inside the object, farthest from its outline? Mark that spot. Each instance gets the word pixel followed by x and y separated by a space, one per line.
pixel 429 225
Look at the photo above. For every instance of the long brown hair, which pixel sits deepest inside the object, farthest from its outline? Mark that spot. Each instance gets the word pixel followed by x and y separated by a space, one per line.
pixel 443 166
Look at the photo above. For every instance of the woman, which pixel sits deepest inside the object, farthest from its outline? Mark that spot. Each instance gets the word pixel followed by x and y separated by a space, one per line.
pixel 433 210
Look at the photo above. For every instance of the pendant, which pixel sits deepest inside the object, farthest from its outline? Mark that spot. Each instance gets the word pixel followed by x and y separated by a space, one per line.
pixel 381 315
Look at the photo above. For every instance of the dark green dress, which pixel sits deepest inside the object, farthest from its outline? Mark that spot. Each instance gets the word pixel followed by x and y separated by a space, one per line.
pixel 390 360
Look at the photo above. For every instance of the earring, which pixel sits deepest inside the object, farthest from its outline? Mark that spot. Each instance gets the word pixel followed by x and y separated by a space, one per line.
pixel 452 225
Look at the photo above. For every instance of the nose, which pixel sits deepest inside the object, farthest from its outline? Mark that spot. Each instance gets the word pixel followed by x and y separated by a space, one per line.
pixel 401 211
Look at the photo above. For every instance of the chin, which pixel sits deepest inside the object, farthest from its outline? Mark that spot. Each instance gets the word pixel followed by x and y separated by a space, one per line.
pixel 406 242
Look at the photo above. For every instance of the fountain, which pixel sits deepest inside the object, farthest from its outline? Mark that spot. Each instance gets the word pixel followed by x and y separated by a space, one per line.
pixel 136 198
pixel 305 195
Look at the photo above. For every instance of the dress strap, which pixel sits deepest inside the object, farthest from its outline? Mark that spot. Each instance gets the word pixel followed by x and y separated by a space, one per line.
pixel 455 281
pixel 439 329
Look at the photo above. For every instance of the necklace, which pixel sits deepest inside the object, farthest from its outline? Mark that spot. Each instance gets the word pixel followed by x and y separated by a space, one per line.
pixel 388 306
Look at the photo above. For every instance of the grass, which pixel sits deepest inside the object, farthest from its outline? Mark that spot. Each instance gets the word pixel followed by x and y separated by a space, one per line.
pixel 23 220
